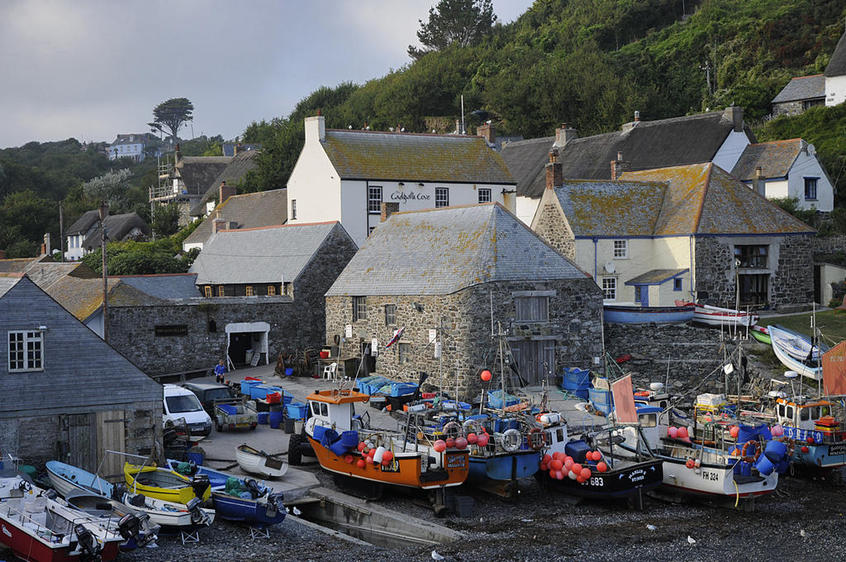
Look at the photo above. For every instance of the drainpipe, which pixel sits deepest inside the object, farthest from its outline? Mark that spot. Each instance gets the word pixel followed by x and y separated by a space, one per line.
pixel 595 257
pixel 692 275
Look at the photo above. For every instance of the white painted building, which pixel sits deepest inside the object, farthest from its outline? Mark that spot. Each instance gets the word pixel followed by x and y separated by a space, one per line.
pixel 788 169
pixel 346 175
pixel 130 146
pixel 835 75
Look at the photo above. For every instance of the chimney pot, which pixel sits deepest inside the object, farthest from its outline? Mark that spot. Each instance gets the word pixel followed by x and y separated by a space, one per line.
pixel 554 170
pixel 637 116
pixel 226 191
pixel 564 135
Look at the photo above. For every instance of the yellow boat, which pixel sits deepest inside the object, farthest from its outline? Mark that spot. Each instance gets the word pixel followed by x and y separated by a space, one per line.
pixel 164 484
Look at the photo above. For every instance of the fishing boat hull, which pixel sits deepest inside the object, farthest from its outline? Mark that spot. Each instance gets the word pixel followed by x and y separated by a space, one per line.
pixel 404 470
pixel 714 482
pixel 622 314
pixel 622 482
pixel 67 479
pixel 810 449
pixel 785 347
pixel 253 461
pixel 163 484
pixel 722 317
pixel 504 466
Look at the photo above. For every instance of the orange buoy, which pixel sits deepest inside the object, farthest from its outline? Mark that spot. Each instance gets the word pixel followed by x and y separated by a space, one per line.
pixel 734 431
pixel 360 463
pixel 482 440
pixel 601 466
pixel 556 464
pixel 440 446
pixel 585 473
pixel 486 375
pixel 472 438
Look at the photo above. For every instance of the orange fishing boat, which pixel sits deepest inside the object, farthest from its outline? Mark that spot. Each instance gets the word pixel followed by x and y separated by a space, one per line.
pixel 345 446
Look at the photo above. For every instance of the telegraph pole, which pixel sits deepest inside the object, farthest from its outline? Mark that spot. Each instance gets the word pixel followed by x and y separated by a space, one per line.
pixel 104 212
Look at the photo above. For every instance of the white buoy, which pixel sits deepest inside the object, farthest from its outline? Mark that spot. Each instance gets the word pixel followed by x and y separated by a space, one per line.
pixel 377 458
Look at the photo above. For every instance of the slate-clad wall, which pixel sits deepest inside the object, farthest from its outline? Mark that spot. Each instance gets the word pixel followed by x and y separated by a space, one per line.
pixel 82 375
pixel 575 317
pixel 790 265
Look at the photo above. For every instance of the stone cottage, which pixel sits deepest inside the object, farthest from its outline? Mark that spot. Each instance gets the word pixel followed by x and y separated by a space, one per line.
pixel 687 233
pixel 66 394
pixel 446 280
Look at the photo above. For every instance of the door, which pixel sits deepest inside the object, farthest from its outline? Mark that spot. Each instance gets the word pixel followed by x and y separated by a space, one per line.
pixel 80 441
pixel 534 361
pixel 111 436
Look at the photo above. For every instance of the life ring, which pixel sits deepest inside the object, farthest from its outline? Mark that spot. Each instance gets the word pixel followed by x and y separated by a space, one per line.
pixel 452 429
pixel 511 440
pixel 472 426
pixel 536 439
pixel 745 458
pixel 641 393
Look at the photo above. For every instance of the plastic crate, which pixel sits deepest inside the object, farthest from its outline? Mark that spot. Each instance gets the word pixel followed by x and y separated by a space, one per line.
pixel 296 410
pixel 403 388
pixel 247 384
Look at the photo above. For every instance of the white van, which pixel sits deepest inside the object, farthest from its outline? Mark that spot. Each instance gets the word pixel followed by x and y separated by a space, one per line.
pixel 182 403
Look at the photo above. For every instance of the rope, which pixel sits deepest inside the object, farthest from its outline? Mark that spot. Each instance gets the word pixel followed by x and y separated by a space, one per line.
pixel 737 493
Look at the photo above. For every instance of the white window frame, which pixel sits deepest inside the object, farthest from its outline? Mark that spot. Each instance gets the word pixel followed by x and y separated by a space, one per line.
pixel 621 249
pixel 359 308
pixel 441 197
pixel 811 181
pixel 484 195
pixel 371 190
pixel 609 288
pixel 30 348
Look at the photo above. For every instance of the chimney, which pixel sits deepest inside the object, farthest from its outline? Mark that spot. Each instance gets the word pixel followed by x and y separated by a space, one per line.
pixel 457 127
pixel 486 131
pixel 219 224
pixel 758 182
pixel 564 134
pixel 637 116
pixel 735 115
pixel 554 170
pixel 388 209
pixel 315 128
pixel 618 167
pixel 48 249
pixel 226 191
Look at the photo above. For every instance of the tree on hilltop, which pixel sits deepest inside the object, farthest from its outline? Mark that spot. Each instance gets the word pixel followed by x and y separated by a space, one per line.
pixel 453 22
pixel 171 115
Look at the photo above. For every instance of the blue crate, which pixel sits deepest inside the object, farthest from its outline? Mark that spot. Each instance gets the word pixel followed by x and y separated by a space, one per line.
pixel 247 384
pixel 296 410
pixel 403 388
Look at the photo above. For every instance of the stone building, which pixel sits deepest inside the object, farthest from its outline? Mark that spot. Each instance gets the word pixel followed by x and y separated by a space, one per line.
pixel 687 233
pixel 259 292
pixel 448 279
pixel 66 394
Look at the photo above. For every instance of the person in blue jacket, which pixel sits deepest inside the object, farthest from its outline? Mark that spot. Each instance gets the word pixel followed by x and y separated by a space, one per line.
pixel 219 371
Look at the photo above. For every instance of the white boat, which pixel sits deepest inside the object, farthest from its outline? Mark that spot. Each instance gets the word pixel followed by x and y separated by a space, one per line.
pixel 726 317
pixel 117 517
pixel 68 480
pixel 796 352
pixel 259 463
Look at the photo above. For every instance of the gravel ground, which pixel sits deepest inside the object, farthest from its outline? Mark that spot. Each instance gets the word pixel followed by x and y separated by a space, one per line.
pixel 544 526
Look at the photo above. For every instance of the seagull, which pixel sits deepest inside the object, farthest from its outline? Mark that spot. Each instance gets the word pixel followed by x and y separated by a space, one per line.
pixel 802 533
pixel 690 540
pixel 651 527
pixel 436 556
pixel 297 511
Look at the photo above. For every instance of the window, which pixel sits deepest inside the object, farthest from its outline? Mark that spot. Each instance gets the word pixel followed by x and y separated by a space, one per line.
pixel 677 284
pixel 220 291
pixel 484 195
pixel 621 248
pixel 370 230
pixel 374 200
pixel 752 256
pixel 293 209
pixel 638 293
pixel 26 351
pixel 609 288
pixel 248 290
pixel 390 314
pixel 532 309
pixel 811 189
pixel 271 290
pixel 441 197
pixel 359 305
pixel 207 290
pixel 405 353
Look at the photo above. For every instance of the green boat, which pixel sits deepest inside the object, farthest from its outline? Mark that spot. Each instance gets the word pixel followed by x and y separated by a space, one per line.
pixel 761 334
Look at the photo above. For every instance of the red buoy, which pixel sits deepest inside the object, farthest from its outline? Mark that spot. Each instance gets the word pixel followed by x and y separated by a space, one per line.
pixel 690 463
pixel 361 446
pixel 450 442
pixel 461 443
pixel 486 375
pixel 348 459
pixel 472 438
pixel 387 457
pixel 546 459
pixel 804 449
pixel 810 439
pixel 360 463
pixel 482 440
pixel 585 473
pixel 601 466
pixel 577 468
pixel 440 446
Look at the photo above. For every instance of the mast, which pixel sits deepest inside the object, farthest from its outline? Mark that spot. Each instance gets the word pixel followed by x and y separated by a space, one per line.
pixel 501 366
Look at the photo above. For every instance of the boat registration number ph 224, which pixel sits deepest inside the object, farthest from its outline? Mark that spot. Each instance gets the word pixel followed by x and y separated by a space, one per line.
pixel 456 461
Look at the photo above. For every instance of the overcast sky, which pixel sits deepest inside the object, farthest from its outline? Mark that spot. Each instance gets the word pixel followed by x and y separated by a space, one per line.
pixel 91 69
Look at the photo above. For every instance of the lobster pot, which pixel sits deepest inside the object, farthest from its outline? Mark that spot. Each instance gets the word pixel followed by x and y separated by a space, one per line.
pixel 775 451
pixel 764 465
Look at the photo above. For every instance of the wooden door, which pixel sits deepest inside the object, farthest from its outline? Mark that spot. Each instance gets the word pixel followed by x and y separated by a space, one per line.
pixel 535 360
pixel 81 441
pixel 111 436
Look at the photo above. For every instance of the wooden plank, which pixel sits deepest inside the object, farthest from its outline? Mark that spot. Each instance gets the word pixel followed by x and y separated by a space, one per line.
pixel 81 441
pixel 111 436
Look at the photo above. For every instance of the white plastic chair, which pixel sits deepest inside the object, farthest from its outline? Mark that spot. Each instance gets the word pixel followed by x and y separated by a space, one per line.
pixel 329 371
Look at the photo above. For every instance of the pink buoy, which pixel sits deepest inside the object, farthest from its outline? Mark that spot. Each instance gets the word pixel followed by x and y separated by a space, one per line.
pixel 777 430
pixel 472 438
pixel 559 475
pixel 483 440
pixel 683 434
pixel 440 446
pixel 461 443
pixel 734 431
pixel 672 432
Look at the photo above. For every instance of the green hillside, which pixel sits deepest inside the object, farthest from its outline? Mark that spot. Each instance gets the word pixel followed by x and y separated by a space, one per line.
pixel 589 63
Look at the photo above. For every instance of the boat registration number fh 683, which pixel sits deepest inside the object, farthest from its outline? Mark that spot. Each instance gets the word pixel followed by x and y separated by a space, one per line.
pixel 456 461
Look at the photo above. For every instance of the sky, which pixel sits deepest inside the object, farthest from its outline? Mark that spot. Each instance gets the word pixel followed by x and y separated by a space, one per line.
pixel 91 69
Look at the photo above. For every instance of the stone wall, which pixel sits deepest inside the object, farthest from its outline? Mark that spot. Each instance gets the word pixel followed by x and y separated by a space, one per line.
pixel 830 244
pixel 788 108
pixel 792 286
pixel 714 275
pixel 574 329
pixel 553 229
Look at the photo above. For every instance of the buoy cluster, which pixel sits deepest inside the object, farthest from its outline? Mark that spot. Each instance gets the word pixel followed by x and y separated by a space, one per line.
pixel 370 455
pixel 561 465
pixel 442 445
pixel 677 432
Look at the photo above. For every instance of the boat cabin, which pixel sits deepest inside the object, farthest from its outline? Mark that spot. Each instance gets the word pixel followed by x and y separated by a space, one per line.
pixel 334 408
pixel 803 415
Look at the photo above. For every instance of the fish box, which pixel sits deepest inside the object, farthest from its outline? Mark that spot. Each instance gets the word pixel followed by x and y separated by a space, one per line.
pixel 296 410
pixel 246 384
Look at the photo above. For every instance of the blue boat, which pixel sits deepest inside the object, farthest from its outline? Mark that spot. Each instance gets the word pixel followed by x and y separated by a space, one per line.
pixel 237 499
pixel 633 314
pixel 504 466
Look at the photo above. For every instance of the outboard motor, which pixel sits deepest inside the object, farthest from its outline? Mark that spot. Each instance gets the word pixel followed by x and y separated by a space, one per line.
pixel 129 526
pixel 198 516
pixel 200 483
pixel 274 504
pixel 118 490
pixel 87 544
pixel 253 487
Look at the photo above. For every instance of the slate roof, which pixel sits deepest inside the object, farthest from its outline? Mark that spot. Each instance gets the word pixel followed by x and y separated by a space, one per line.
pixel 837 64
pixel 83 223
pixel 15 265
pixel 775 159
pixel 234 172
pixel 526 160
pixel 117 227
pixel 7 281
pixel 81 297
pixel 441 251
pixel 250 210
pixel 802 88
pixel 163 286
pixel 656 276
pixel 197 172
pixel 704 199
pixel 414 157
pixel 260 255
pixel 691 139
pixel 598 208
pixel 229 148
